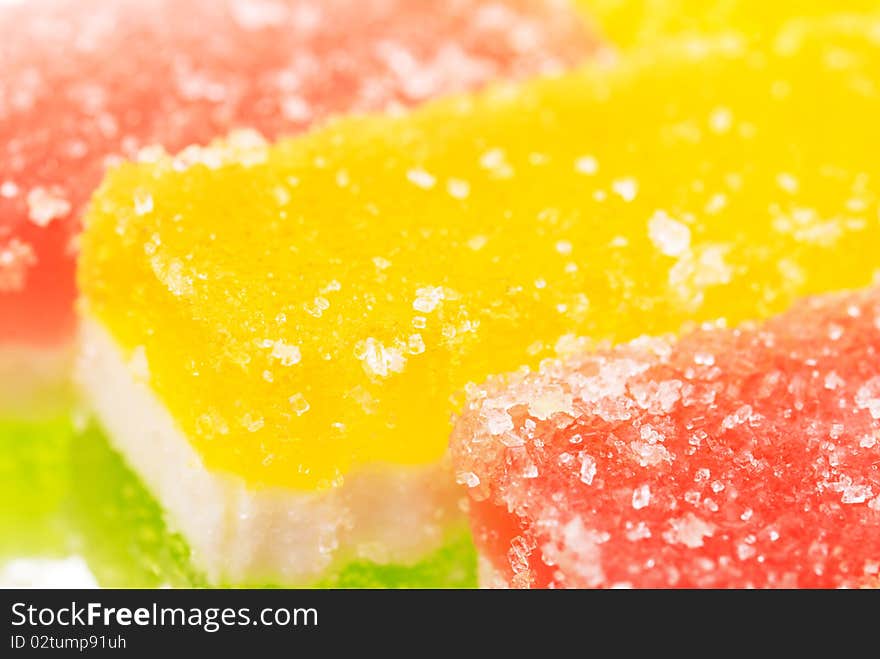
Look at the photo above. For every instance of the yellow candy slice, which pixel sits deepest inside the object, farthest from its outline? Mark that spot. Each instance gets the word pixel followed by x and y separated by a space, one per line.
pixel 634 22
pixel 314 307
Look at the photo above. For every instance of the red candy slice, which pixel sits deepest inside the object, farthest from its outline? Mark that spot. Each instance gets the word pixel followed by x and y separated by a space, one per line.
pixel 728 458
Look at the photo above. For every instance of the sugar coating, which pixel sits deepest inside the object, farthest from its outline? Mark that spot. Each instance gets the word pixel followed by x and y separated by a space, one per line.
pixel 601 203
pixel 634 23
pixel 745 457
pixel 86 82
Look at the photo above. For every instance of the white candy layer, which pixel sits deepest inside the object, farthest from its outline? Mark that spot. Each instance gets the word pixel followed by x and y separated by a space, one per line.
pixel 243 534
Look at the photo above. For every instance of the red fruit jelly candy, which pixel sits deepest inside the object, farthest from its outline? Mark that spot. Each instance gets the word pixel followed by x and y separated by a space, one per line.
pixel 744 457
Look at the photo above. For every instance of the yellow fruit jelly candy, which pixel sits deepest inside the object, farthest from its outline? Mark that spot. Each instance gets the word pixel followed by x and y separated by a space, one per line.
pixel 635 22
pixel 314 307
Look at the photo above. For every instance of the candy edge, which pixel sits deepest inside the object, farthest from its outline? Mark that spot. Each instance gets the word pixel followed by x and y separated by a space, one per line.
pixel 239 533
